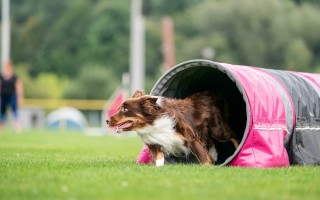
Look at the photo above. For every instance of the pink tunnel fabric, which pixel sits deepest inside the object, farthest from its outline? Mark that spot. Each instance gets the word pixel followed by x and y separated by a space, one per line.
pixel 264 145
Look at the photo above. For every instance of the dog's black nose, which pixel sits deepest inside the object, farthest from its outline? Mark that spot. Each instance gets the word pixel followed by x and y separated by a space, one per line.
pixel 107 121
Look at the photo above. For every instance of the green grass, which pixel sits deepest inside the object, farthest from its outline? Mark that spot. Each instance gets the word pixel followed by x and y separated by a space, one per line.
pixel 48 165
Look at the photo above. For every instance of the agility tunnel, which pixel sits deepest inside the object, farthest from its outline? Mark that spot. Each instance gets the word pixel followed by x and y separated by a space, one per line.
pixel 275 114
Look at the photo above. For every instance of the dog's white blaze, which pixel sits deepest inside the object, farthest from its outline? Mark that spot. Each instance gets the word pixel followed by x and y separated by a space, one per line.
pixel 160 162
pixel 213 154
pixel 162 132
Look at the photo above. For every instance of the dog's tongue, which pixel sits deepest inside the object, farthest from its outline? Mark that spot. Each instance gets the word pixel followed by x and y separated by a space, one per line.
pixel 124 125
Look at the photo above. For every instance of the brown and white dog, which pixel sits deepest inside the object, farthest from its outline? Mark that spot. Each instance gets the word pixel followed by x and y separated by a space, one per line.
pixel 176 126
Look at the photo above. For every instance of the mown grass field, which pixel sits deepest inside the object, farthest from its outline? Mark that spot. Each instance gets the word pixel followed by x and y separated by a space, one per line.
pixel 51 165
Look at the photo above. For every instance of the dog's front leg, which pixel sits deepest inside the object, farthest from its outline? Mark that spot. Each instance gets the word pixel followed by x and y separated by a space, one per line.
pixel 201 152
pixel 157 155
pixel 159 159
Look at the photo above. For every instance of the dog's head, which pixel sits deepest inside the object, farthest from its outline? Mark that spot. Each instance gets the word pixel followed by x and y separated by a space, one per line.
pixel 135 113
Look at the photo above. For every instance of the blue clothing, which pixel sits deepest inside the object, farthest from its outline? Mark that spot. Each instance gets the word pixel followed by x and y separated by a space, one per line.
pixel 8 101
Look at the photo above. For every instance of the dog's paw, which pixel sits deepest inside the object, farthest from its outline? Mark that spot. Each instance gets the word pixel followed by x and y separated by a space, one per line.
pixel 160 162
pixel 213 154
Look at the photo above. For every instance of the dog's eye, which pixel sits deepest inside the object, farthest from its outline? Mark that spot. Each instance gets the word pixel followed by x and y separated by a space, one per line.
pixel 124 109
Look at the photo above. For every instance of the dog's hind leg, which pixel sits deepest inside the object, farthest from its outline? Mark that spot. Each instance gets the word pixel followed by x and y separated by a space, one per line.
pixel 201 152
pixel 234 142
pixel 212 150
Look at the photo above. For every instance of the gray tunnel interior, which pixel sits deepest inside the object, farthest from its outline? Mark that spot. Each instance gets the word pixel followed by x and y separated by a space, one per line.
pixel 187 81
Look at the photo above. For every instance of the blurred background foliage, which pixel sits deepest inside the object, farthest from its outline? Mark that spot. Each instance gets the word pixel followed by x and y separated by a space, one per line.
pixel 80 49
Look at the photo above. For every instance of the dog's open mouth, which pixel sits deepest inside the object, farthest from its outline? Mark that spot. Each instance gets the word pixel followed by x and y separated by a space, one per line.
pixel 123 126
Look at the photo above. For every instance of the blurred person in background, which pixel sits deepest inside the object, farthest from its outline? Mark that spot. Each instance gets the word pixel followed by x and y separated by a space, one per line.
pixel 11 95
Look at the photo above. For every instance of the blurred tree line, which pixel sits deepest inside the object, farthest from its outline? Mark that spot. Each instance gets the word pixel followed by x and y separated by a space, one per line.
pixel 80 48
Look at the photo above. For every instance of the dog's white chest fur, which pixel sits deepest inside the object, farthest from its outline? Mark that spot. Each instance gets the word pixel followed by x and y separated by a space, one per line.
pixel 163 133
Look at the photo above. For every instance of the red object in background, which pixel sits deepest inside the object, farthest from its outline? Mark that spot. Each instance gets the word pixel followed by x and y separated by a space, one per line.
pixel 117 101
pixel 169 57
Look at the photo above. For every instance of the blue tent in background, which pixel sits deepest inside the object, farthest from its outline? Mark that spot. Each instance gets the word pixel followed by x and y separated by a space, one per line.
pixel 66 118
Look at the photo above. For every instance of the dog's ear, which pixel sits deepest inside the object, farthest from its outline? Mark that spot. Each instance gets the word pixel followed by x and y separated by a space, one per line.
pixel 149 100
pixel 138 93
pixel 153 99
pixel 149 104
pixel 154 102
